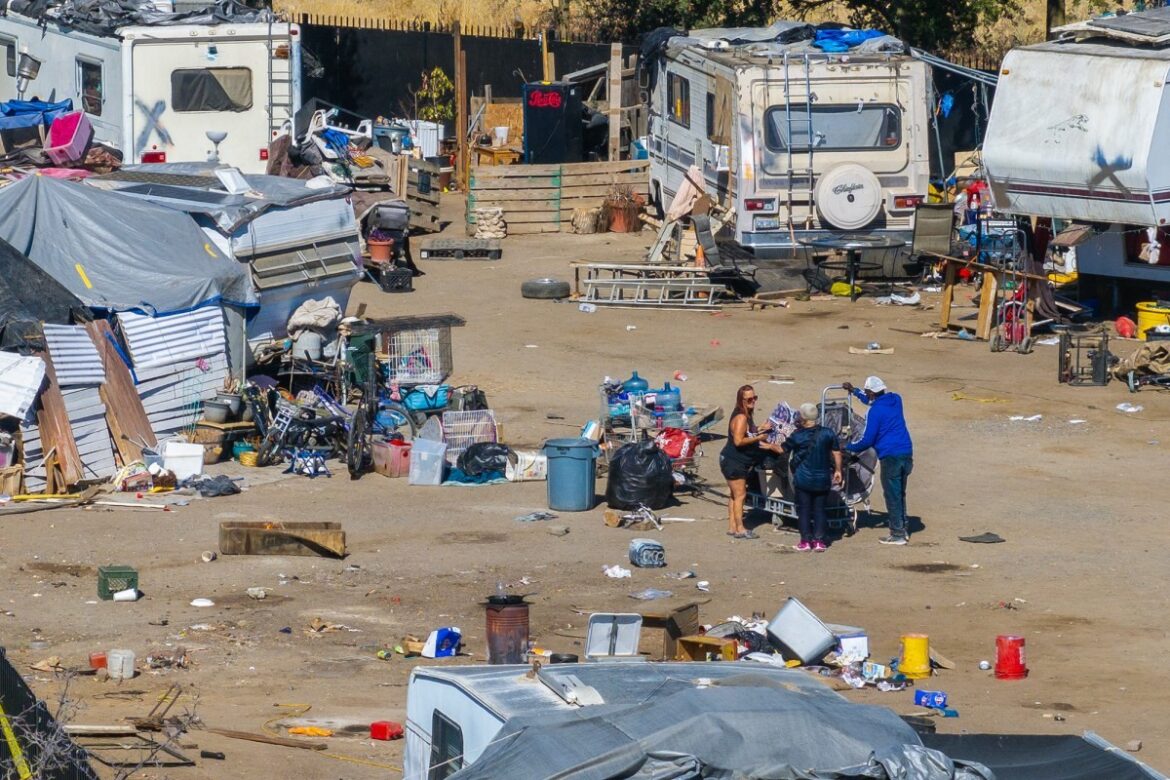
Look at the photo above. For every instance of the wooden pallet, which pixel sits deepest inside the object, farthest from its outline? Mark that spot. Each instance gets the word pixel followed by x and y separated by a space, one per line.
pixel 422 194
pixel 461 249
pixel 542 198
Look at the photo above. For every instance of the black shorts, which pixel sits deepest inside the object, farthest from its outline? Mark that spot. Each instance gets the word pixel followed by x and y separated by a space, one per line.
pixel 734 468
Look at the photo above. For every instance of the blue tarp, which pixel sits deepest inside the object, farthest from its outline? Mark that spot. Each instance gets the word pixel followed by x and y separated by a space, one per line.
pixel 843 40
pixel 17 114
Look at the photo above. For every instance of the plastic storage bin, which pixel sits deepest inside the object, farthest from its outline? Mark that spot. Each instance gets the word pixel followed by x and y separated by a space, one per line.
pixel 800 634
pixel 392 458
pixel 427 459
pixel 69 137
pixel 182 459
pixel 572 472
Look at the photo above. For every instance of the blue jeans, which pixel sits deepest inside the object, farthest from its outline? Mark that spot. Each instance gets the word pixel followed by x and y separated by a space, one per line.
pixel 810 513
pixel 895 472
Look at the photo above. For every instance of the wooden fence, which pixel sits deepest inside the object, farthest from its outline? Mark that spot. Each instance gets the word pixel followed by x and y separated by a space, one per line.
pixel 518 30
pixel 541 198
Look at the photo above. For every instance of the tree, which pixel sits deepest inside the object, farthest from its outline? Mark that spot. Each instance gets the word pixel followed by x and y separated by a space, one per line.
pixel 625 20
pixel 935 25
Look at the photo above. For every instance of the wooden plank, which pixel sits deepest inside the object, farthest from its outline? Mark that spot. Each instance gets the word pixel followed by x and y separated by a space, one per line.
pixel 269 740
pixel 125 414
pixel 56 432
pixel 638 179
pixel 987 301
pixel 259 538
pixel 567 169
pixel 538 193
pixel 425 209
pixel 535 193
pixel 948 295
pixel 614 95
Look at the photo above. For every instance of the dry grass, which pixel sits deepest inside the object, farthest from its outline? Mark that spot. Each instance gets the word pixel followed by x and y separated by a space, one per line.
pixel 1028 28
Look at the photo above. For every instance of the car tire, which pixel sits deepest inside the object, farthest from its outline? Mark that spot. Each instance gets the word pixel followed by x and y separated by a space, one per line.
pixel 545 289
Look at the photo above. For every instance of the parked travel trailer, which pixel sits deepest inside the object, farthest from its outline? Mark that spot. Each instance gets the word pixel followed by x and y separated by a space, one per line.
pixel 798 140
pixel 165 92
pixel 1077 132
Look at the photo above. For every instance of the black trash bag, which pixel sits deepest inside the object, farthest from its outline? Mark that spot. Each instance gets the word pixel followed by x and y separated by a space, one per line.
pixel 483 457
pixel 213 487
pixel 639 475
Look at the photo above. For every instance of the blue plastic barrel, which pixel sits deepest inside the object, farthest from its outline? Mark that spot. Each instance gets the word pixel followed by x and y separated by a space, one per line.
pixel 572 471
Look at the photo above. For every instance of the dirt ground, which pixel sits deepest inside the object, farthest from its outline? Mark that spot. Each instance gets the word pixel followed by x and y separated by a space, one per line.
pixel 1080 575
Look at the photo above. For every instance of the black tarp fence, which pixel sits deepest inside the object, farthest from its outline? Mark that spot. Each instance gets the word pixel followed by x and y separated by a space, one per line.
pixel 374 72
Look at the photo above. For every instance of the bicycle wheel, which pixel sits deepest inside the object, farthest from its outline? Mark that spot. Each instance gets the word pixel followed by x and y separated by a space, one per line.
pixel 359 451
pixel 394 418
pixel 270 447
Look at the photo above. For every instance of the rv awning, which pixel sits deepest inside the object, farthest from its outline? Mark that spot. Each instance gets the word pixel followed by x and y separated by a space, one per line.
pixel 118 253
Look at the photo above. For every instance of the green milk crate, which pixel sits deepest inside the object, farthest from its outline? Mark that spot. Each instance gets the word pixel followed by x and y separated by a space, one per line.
pixel 112 579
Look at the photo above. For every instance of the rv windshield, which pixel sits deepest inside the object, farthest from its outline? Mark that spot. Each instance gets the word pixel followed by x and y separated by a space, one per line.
pixel 834 127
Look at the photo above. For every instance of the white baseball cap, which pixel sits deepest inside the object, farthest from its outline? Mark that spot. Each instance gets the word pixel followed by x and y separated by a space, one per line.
pixel 874 384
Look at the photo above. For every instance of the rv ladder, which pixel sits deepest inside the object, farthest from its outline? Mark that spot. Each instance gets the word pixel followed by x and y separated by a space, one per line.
pixel 283 99
pixel 808 134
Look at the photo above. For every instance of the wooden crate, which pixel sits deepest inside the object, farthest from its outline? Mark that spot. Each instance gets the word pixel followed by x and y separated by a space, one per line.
pixel 705 648
pixel 541 198
pixel 251 538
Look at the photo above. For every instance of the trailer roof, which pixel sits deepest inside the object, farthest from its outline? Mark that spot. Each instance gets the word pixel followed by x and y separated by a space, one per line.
pixel 1101 47
pixel 108 19
pixel 740 46
pixel 1149 30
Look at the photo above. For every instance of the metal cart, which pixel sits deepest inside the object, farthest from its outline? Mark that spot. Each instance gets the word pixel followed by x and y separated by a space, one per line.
pixel 623 422
pixel 775 494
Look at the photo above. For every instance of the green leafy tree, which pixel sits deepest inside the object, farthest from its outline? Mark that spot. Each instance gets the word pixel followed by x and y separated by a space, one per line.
pixel 936 25
pixel 435 99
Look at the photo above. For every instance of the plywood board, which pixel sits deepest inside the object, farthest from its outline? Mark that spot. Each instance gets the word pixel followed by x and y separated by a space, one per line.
pixel 250 538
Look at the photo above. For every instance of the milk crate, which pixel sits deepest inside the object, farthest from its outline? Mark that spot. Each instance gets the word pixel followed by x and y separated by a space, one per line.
pixel 112 579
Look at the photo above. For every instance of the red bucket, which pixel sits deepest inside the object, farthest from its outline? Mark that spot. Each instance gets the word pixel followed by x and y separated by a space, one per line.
pixel 1009 658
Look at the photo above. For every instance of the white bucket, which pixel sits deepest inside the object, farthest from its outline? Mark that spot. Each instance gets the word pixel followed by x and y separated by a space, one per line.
pixel 182 459
pixel 501 135
pixel 120 664
pixel 529 467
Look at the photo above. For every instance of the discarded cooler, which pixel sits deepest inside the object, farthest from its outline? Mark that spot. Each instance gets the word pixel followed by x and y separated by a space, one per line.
pixel 572 472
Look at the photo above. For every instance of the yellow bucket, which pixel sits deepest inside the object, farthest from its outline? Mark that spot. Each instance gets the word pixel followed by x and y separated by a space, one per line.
pixel 1149 316
pixel 915 660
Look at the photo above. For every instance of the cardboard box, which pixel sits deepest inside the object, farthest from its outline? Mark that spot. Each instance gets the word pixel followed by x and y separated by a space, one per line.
pixel 706 648
pixel 662 630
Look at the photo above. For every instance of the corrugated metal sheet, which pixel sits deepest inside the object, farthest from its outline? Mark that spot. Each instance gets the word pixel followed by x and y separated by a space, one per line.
pixel 20 383
pixel 179 361
pixel 75 359
pixel 87 418
pixel 173 340
pixel 300 226
pixel 34 458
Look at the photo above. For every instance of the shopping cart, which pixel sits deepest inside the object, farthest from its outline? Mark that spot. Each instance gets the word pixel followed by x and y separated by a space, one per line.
pixel 776 495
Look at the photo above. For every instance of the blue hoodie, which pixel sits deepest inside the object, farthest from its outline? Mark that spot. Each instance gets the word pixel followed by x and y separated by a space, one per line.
pixel 885 427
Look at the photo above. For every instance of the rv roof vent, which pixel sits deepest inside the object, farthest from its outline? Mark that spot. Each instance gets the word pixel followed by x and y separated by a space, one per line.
pixel 848 197
pixel 570 688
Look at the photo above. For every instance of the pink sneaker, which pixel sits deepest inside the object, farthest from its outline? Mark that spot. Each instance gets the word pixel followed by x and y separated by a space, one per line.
pixel 819 547
pixel 802 547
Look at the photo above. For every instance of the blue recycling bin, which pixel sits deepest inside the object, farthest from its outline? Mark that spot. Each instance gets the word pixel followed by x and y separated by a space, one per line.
pixel 572 471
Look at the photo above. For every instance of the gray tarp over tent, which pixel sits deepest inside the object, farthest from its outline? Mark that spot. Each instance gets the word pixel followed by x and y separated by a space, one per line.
pixel 119 253
pixel 30 297
pixel 742 727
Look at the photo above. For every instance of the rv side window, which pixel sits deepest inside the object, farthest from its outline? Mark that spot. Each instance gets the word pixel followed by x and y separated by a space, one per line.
pixel 710 115
pixel 211 89
pixel 834 127
pixel 678 94
pixel 446 747
pixel 9 47
pixel 89 78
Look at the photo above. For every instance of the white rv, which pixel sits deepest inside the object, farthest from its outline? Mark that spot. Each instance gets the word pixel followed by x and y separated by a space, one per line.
pixel 799 141
pixel 1077 132
pixel 161 93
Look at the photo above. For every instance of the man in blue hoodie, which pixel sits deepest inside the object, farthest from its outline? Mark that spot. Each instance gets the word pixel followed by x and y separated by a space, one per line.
pixel 886 432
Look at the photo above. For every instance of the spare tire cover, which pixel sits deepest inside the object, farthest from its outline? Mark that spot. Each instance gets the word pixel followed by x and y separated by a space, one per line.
pixel 848 197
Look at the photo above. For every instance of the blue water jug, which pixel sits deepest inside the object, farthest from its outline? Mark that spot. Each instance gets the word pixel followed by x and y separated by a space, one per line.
pixel 669 398
pixel 635 384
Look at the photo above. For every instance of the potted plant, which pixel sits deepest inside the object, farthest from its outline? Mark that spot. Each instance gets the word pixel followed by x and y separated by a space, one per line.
pixel 381 245
pixel 623 206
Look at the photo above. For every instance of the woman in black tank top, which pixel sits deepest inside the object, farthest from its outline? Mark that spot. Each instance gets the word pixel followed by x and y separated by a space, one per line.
pixel 744 449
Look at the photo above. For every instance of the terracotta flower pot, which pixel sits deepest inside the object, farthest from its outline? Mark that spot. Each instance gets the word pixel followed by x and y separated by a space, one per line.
pixel 624 219
pixel 379 249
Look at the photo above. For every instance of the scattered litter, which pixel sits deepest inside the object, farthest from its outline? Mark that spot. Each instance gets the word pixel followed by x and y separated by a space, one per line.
pixel 202 603
pixel 208 556
pixel 257 593
pixel 934 288
pixel 867 351
pixel 631 327
pixel 714 342
pixel 703 585
pixel 1076 422
pixel 1022 418
pixel 681 575
pixel 680 376
pixel 1134 745
pixel 647 553
pixel 933 699
pixel 616 572
pixel 176 659
pixel 443 643
pixel 588 308
pixel 129 594
pixel 558 530
pixel 531 346
pixel 1129 408
pixel 899 300
pixel 984 538
pixel 533 517
pixel 965 335
pixel 1048 341
pixel 319 626
pixel 985 665
pixel 650 594
pixel 310 731
pixel 957 396
pixel 50 664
